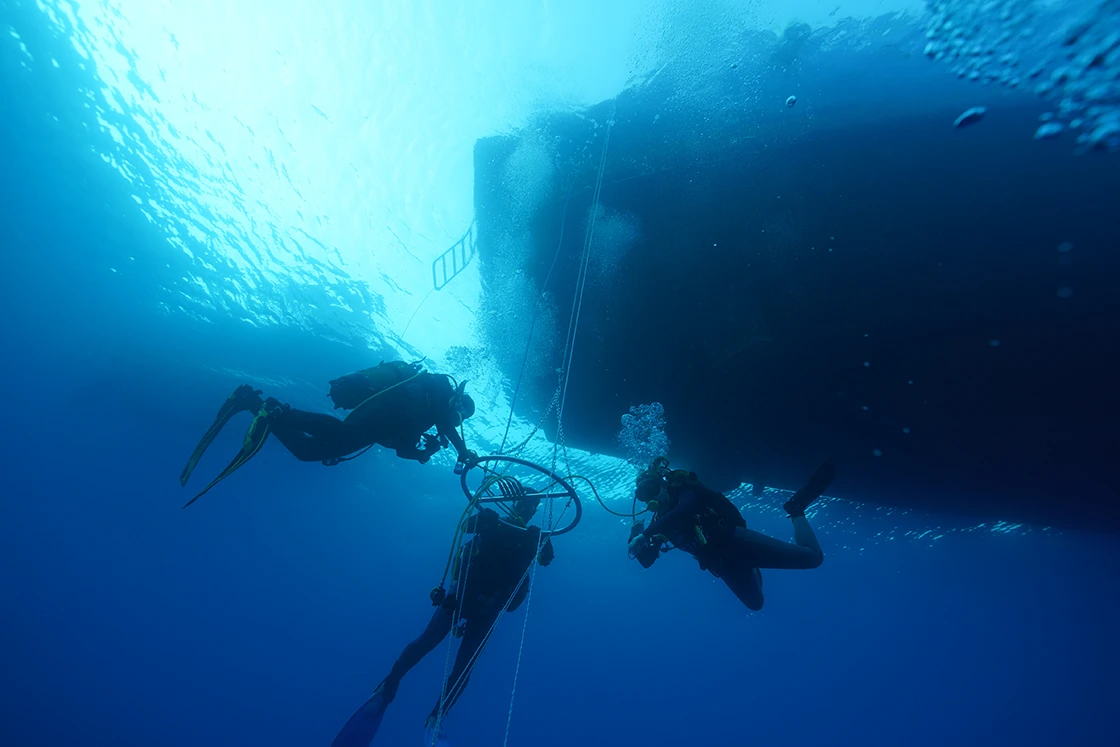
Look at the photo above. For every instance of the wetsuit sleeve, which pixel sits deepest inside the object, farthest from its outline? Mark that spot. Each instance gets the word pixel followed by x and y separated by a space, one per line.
pixel 688 505
pixel 446 429
pixel 439 392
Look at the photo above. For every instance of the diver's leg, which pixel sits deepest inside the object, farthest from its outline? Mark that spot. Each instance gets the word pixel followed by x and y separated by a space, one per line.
pixel 314 436
pixel 745 583
pixel 804 536
pixel 304 447
pixel 363 726
pixel 438 628
pixel 316 424
pixel 474 638
pixel 757 550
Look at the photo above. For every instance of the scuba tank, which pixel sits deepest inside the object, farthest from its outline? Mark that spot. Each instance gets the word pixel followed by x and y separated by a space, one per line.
pixel 351 390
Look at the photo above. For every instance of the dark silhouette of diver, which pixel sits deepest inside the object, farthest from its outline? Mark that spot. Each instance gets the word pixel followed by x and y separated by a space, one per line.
pixel 705 524
pixel 491 573
pixel 393 404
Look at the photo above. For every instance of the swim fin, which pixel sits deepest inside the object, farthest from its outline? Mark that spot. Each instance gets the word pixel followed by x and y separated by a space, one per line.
pixel 362 727
pixel 254 440
pixel 812 490
pixel 243 399
pixel 435 737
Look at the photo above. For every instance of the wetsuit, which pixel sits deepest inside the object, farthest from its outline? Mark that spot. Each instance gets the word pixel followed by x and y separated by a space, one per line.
pixel 396 420
pixel 723 545
pixel 491 572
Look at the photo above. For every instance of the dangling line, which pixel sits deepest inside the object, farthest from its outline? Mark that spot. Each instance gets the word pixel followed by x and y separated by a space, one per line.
pixel 536 313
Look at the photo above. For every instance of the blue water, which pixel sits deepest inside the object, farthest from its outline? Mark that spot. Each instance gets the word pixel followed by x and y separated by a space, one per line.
pixel 153 258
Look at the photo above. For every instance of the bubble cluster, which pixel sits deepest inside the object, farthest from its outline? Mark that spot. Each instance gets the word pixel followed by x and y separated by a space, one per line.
pixel 1012 43
pixel 642 436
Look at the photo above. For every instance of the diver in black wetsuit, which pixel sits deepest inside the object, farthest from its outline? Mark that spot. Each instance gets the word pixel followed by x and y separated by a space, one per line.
pixel 393 404
pixel 491 575
pixel 705 524
pixel 396 420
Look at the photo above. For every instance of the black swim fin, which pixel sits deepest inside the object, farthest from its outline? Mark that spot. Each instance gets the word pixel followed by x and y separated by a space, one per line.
pixel 254 440
pixel 812 490
pixel 362 727
pixel 243 399
pixel 435 738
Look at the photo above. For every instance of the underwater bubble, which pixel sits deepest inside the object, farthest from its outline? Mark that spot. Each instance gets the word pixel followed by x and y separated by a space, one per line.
pixel 791 101
pixel 971 116
pixel 1106 137
pixel 1065 292
pixel 905 430
pixel 1045 116
pixel 867 364
pixel 1065 247
pixel 993 343
pixel 642 435
pixel 877 452
pixel 1049 131
pixel 866 408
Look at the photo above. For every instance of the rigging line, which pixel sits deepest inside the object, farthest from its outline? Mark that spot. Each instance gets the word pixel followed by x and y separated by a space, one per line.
pixel 541 538
pixel 524 628
pixel 577 306
pixel 527 575
pixel 460 586
pixel 447 689
pixel 536 313
pixel 409 324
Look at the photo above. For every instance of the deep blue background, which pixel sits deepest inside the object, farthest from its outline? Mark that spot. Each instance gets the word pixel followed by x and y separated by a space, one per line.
pixel 267 612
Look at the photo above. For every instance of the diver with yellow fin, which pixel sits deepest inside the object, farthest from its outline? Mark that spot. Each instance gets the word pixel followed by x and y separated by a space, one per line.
pixel 393 404
pixel 704 523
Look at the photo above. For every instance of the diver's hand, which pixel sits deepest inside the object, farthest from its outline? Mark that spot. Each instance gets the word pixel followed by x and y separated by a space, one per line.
pixel 637 543
pixel 547 554
pixel 429 444
pixel 469 458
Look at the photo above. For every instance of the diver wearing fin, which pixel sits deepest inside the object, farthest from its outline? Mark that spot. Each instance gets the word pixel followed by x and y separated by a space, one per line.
pixel 396 418
pixel 491 573
pixel 393 404
pixel 705 524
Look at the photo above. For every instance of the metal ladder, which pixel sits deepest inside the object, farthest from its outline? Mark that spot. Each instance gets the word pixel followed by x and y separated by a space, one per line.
pixel 453 261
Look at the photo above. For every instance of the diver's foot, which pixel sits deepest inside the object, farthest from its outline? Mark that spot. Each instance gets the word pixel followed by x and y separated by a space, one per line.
pixel 275 408
pixel 434 735
pixel 817 484
pixel 795 507
pixel 246 399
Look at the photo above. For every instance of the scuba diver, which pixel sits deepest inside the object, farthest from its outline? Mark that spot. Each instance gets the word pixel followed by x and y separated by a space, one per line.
pixel 694 518
pixel 393 404
pixel 491 576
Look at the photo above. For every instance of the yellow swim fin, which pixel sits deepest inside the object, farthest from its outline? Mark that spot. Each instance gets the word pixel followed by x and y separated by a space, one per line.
pixel 243 399
pixel 254 440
